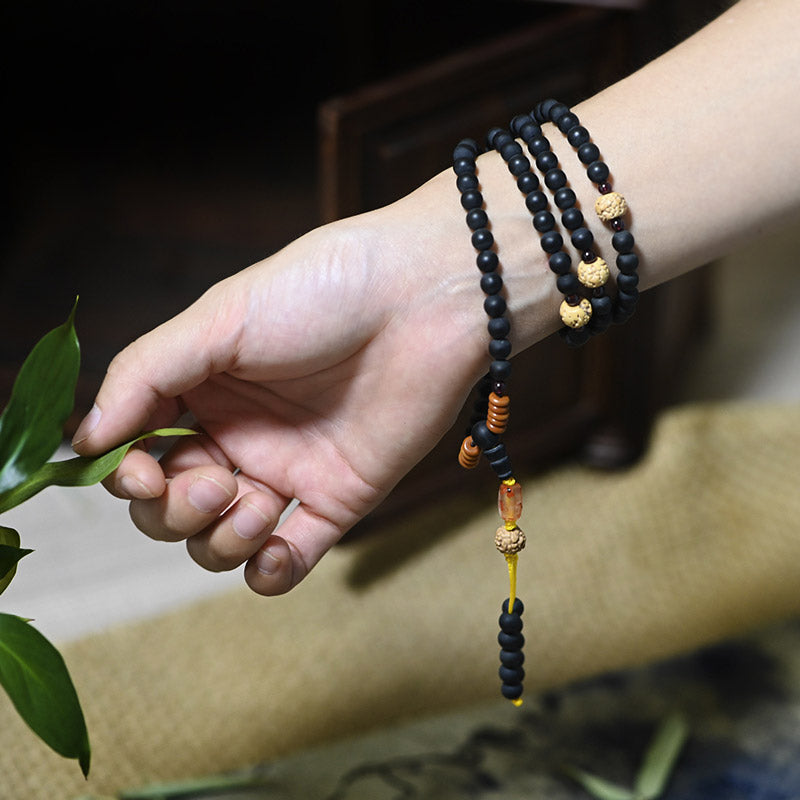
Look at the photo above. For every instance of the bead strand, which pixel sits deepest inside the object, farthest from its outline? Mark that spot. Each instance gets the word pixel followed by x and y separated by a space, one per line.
pixel 482 438
pixel 491 412
pixel 582 316
pixel 610 206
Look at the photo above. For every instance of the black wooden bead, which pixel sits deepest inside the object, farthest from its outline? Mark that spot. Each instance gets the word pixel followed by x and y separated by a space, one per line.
pixel 544 221
pixel 568 284
pixel 627 263
pixel 546 161
pixel 499 461
pixel 530 130
pixel 597 171
pixel 588 152
pixel 572 219
pixel 517 608
pixel 464 166
pixel 519 121
pixel 511 676
pixel 511 692
pixel 627 282
pixel 539 144
pixel 510 149
pixel 494 305
pixel 555 179
pixel 536 201
pixel 491 283
pixel 483 437
pixel 512 658
pixel 500 369
pixel 622 241
pixel 565 198
pixel 477 218
pixel 578 136
pixel 527 182
pixel 510 623
pixel 487 261
pixel 466 182
pixel 628 300
pixel 497 137
pixel 567 122
pixel 582 239
pixel 560 263
pixel 499 327
pixel 551 242
pixel 541 111
pixel 510 641
pixel 482 239
pixel 499 348
pixel 466 147
pixel 472 198
pixel 601 306
pixel 557 110
pixel 574 337
pixel 518 165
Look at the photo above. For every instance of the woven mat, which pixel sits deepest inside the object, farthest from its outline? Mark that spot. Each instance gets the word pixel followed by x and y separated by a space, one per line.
pixel 700 541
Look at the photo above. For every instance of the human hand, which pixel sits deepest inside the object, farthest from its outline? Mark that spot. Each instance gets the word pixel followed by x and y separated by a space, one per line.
pixel 322 374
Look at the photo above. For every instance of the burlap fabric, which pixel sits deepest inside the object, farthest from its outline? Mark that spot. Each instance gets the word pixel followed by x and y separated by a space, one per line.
pixel 699 541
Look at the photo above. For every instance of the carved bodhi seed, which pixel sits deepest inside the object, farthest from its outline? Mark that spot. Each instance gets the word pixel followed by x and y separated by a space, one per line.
pixel 576 316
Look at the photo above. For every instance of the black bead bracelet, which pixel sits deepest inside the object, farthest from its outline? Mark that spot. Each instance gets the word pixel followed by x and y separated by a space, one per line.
pixel 610 206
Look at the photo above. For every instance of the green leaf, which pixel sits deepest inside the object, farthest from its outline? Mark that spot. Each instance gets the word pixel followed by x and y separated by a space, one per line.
pixel 660 758
pixel 599 787
pixel 32 424
pixel 10 554
pixel 35 676
pixel 78 471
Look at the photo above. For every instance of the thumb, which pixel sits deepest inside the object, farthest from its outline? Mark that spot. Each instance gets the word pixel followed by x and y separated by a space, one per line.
pixel 144 380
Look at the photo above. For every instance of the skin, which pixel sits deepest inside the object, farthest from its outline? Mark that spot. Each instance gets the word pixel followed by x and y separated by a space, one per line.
pixel 325 372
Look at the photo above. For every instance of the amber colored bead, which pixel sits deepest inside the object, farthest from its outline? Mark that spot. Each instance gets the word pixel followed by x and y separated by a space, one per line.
pixel 469 454
pixel 498 413
pixel 509 501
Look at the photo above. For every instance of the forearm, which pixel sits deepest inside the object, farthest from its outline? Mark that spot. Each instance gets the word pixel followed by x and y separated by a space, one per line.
pixel 700 142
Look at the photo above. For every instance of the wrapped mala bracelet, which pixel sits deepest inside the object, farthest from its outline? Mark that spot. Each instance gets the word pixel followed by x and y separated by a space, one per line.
pixel 582 316
pixel 492 414
pixel 610 206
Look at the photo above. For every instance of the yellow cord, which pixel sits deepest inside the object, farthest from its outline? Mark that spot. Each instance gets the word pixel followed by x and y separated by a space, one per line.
pixel 511 560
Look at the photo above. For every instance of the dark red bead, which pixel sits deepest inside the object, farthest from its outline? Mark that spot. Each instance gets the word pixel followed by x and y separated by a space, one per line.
pixel 573 299
pixel 617 224
pixel 604 188
pixel 499 388
pixel 588 257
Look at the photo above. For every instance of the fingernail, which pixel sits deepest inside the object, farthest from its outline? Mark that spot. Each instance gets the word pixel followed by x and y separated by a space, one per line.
pixel 134 488
pixel 267 563
pixel 88 425
pixel 207 495
pixel 249 521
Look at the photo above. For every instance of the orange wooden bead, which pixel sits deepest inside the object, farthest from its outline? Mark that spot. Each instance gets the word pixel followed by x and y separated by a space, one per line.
pixel 469 454
pixel 498 413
